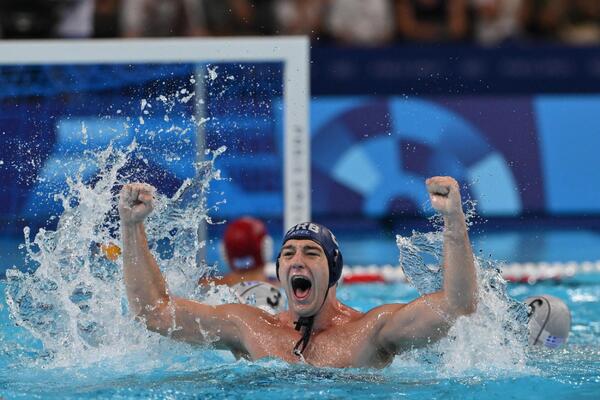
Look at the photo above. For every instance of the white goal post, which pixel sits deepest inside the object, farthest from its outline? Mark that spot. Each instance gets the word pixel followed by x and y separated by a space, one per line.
pixel 292 52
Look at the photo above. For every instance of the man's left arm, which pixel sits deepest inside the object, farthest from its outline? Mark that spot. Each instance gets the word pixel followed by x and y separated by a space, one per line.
pixel 429 317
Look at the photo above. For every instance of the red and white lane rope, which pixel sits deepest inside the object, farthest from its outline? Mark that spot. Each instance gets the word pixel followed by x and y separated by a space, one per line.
pixel 512 272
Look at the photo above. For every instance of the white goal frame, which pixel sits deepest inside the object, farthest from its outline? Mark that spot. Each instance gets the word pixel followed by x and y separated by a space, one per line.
pixel 293 52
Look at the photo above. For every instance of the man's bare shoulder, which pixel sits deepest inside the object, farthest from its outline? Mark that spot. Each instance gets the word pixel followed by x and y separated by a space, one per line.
pixel 247 312
pixel 350 318
pixel 385 308
pixel 381 313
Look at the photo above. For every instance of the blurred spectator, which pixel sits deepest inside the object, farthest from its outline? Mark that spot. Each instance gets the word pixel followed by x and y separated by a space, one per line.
pixel 432 20
pixel 27 18
pixel 356 22
pixel 543 19
pixel 583 23
pixel 106 19
pixel 157 18
pixel 300 17
pixel 361 22
pixel 46 18
pixel 76 19
pixel 497 21
pixel 264 20
pixel 238 17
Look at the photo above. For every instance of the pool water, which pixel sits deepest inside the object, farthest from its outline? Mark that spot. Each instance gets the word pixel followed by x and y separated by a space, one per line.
pixel 76 339
pixel 156 368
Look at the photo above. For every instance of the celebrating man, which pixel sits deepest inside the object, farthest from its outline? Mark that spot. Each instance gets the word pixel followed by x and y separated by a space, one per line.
pixel 317 328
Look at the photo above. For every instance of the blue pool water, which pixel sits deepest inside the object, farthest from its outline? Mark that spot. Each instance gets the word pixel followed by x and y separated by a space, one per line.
pixel 75 338
pixel 147 366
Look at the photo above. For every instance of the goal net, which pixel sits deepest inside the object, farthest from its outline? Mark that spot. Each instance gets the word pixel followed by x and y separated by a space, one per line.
pixel 62 98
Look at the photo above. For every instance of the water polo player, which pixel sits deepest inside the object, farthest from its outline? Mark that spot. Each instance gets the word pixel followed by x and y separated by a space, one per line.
pixel 246 248
pixel 317 328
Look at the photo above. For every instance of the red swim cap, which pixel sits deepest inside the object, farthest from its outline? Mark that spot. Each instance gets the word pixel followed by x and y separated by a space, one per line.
pixel 246 244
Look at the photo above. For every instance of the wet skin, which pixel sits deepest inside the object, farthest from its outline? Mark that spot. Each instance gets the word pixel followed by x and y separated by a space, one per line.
pixel 341 336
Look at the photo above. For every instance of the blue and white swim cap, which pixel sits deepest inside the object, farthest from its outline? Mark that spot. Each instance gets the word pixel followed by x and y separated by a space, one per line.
pixel 549 321
pixel 323 237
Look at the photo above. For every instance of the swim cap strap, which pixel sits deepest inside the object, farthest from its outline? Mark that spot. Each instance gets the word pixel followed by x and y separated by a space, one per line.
pixel 307 323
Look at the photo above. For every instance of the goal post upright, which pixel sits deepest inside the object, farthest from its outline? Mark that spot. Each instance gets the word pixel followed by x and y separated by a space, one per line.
pixel 293 52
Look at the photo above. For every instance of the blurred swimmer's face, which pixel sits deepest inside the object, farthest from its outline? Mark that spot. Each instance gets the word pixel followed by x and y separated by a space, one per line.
pixel 304 274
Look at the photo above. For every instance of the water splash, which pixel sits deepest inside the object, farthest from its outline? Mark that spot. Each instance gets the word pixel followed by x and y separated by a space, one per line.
pixel 72 297
pixel 70 303
pixel 492 340
pixel 74 302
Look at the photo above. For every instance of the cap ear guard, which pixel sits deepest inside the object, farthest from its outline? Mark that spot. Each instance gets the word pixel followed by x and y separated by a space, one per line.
pixel 335 270
pixel 277 266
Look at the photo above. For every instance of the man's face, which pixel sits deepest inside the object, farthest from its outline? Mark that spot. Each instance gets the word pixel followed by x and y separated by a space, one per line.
pixel 304 275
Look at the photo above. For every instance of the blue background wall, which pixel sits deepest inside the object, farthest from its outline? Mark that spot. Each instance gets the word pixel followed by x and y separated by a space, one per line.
pixel 517 126
pixel 515 155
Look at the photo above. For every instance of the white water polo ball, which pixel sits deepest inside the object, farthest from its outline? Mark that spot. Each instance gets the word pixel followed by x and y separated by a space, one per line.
pixel 549 321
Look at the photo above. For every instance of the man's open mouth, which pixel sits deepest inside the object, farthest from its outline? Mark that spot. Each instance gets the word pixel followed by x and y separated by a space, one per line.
pixel 301 287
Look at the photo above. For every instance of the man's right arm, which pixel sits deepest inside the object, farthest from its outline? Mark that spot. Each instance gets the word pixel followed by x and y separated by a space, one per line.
pixel 147 291
pixel 429 317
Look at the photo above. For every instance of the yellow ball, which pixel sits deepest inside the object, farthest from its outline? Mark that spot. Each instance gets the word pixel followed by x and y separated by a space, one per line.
pixel 111 251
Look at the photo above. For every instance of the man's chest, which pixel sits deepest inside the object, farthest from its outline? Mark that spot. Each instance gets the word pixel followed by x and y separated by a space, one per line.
pixel 333 348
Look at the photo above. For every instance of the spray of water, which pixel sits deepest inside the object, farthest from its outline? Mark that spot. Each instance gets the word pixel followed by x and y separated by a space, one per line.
pixel 492 340
pixel 72 298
